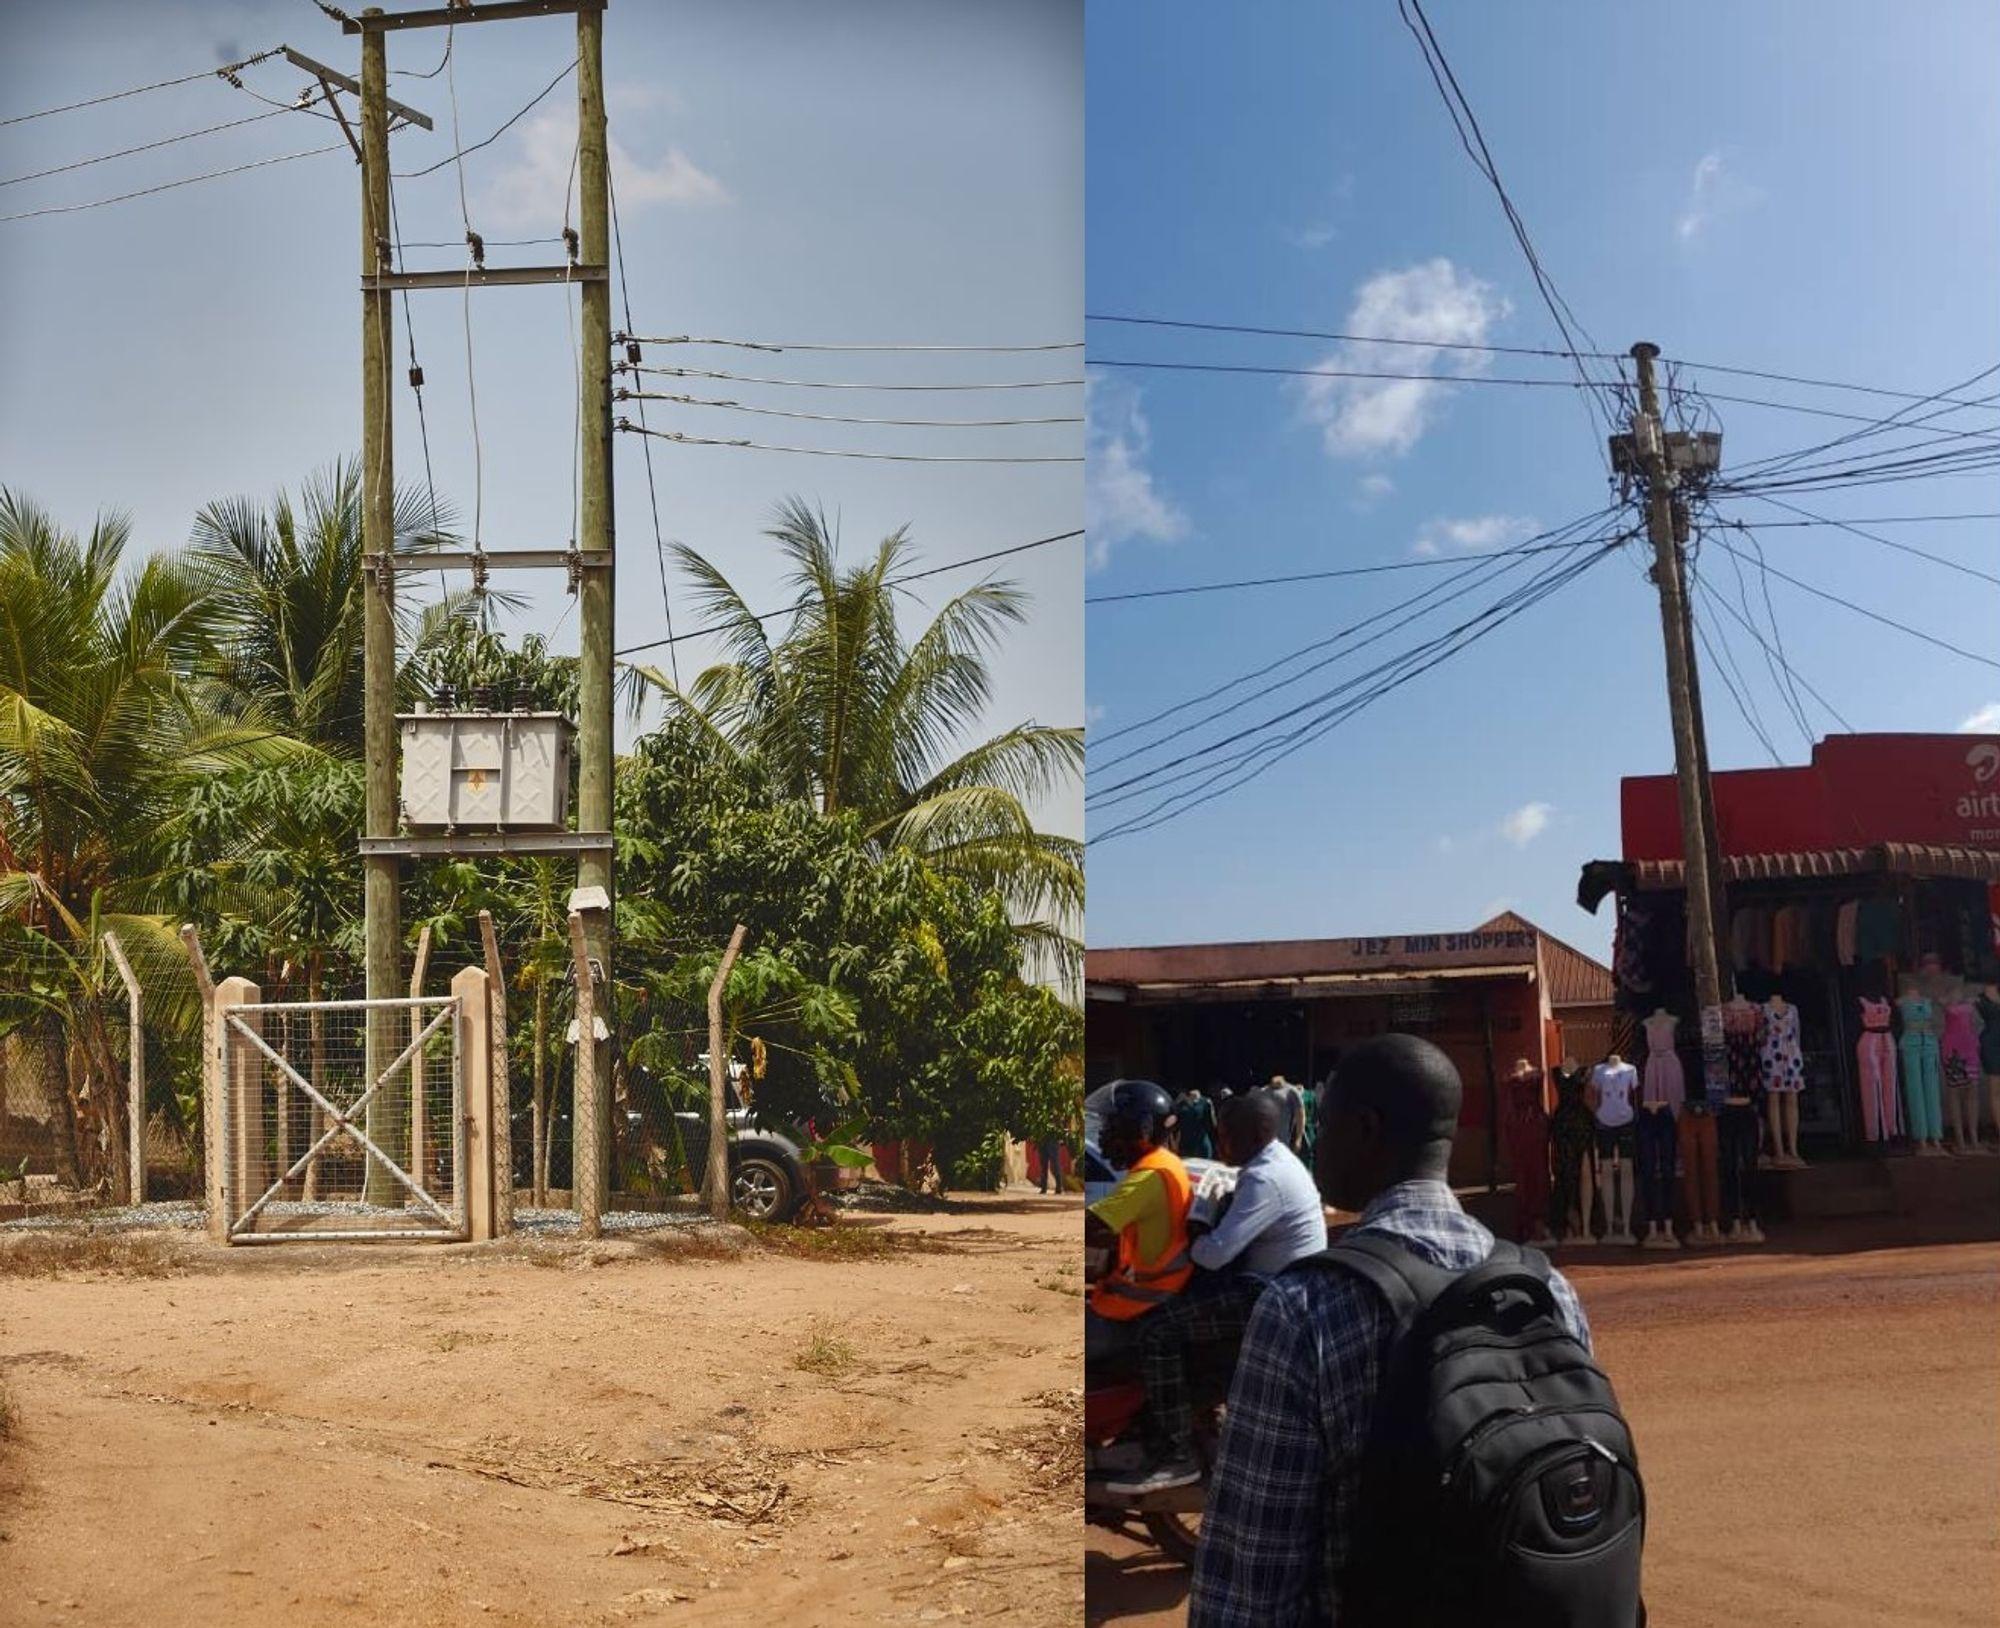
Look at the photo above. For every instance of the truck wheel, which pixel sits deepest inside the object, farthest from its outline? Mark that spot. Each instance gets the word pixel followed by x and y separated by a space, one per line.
pixel 761 1189
pixel 1177 1535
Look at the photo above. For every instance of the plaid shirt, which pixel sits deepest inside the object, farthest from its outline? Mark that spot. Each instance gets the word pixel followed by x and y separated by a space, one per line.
pixel 1275 1530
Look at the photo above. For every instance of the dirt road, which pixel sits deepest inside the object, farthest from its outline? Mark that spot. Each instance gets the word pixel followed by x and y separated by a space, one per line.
pixel 1817 1434
pixel 516 1435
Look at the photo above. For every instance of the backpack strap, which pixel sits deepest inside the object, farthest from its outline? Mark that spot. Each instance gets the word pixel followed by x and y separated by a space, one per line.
pixel 1403 1278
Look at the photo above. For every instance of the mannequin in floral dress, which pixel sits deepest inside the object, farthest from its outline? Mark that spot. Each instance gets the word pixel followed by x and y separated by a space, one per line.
pixel 1784 1066
pixel 1959 1059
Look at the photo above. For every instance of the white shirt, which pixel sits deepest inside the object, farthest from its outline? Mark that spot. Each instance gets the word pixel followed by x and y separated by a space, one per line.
pixel 1274 1219
pixel 1615 1083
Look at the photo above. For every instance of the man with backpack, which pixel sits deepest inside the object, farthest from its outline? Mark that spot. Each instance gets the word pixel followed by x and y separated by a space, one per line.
pixel 1417 1434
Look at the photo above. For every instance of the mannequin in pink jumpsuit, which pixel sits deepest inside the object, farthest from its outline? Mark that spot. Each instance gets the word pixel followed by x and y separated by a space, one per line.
pixel 1959 1049
pixel 1875 1055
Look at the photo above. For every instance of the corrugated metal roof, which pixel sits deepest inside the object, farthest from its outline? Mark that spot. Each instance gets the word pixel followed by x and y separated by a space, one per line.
pixel 1902 858
pixel 1575 979
pixel 1307 987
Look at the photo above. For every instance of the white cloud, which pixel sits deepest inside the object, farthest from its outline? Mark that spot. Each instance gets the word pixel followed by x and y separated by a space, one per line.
pixel 531 189
pixel 1446 844
pixel 1526 823
pixel 1374 488
pixel 1316 236
pixel 1713 191
pixel 1433 302
pixel 1986 721
pixel 1119 499
pixel 1093 715
pixel 1471 535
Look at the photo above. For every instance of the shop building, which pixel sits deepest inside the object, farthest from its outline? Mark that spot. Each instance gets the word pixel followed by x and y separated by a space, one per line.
pixel 1840 876
pixel 1209 1015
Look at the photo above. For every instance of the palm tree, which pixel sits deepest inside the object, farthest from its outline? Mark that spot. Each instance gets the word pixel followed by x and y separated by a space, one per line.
pixel 103 730
pixel 289 594
pixel 843 711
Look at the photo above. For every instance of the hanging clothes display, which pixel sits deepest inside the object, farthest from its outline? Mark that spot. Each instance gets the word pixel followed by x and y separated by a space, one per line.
pixel 1878 930
pixel 1750 938
pixel 1791 938
pixel 1525 1123
pixel 1783 1060
pixel 1875 1059
pixel 1843 932
pixel 1922 1085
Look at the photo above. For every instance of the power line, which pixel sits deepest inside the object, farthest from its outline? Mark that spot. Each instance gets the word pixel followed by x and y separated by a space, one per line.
pixel 146 147
pixel 822 384
pixel 1477 575
pixel 140 90
pixel 1832 711
pixel 169 186
pixel 466 152
pixel 887 582
pixel 1861 610
pixel 1314 576
pixel 1515 350
pixel 1722 669
pixel 645 442
pixel 1812 519
pixel 1899 419
pixel 830 452
pixel 772 345
pixel 836 418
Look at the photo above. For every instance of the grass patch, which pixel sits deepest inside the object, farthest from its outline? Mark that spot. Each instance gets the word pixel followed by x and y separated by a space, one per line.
pixel 824 1351
pixel 87 1253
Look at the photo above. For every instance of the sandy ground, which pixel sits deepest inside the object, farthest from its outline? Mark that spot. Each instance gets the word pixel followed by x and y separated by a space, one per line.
pixel 1817 1433
pixel 577 1434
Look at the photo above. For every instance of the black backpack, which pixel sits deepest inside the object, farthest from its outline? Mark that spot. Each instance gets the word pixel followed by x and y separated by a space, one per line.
pixel 1500 1485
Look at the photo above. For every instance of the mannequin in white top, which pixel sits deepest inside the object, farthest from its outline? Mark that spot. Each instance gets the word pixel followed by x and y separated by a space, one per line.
pixel 1612 1094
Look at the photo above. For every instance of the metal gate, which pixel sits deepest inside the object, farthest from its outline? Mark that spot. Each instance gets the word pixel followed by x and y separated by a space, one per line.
pixel 342 1119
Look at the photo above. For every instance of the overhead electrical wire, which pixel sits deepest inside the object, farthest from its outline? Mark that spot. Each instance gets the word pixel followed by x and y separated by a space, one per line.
pixel 900 580
pixel 464 153
pixel 1900 419
pixel 1781 666
pixel 1515 350
pixel 1736 685
pixel 140 90
pixel 1812 519
pixel 1860 610
pixel 169 186
pixel 148 146
pixel 824 384
pixel 773 345
pixel 830 452
pixel 465 216
pixel 1312 576
pixel 1832 711
pixel 837 418
pixel 1476 574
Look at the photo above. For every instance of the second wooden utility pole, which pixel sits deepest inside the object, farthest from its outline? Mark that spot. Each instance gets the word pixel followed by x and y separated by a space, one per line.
pixel 1649 444
pixel 382 930
pixel 594 540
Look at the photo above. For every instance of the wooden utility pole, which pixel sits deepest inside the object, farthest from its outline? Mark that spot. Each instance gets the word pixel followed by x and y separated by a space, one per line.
pixel 1649 443
pixel 1718 887
pixel 594 542
pixel 382 925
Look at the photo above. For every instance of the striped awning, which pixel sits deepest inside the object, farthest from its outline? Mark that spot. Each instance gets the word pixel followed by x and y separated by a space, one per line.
pixel 1881 858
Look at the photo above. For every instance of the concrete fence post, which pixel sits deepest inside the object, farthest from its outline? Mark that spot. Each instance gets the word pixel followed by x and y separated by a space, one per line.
pixel 471 989
pixel 503 1092
pixel 242 1160
pixel 136 1066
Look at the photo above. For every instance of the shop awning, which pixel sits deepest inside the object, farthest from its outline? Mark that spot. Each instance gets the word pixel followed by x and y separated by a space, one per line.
pixel 1602 876
pixel 1315 986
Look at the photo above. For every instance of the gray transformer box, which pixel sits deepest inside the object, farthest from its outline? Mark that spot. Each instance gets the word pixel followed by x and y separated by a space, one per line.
pixel 485 771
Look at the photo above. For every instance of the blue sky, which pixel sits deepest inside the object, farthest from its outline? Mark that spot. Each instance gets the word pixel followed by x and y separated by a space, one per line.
pixel 1807 188
pixel 884 171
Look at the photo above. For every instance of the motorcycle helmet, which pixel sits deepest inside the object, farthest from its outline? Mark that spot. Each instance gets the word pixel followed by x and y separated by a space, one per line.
pixel 1136 1114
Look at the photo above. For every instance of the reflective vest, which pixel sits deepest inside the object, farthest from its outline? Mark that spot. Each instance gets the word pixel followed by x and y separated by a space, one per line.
pixel 1137 1284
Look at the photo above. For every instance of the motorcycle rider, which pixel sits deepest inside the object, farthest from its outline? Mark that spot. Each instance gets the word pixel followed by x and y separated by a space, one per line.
pixel 1274 1219
pixel 1147 1213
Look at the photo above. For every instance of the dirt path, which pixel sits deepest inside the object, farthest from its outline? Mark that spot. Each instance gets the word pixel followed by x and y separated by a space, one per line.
pixel 444 1437
pixel 1817 1433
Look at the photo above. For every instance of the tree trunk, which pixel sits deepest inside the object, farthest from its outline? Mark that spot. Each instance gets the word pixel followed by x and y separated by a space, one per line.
pixel 540 1128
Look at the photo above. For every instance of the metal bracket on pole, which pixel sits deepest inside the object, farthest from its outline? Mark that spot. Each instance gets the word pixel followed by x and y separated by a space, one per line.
pixel 457 845
pixel 326 75
pixel 484 277
pixel 531 559
pixel 494 11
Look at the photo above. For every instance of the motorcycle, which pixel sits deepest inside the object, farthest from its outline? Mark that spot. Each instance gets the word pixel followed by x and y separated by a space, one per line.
pixel 1114 1403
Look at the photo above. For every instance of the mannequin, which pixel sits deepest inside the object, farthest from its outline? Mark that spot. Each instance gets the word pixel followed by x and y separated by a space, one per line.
pixel 1784 1078
pixel 1614 1083
pixel 1988 1003
pixel 1875 1057
pixel 1572 1153
pixel 1921 1023
pixel 1525 1122
pixel 1736 1123
pixel 1663 1097
pixel 1958 1049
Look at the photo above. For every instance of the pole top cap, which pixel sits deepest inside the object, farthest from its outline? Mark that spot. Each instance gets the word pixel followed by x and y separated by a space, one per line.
pixel 1645 350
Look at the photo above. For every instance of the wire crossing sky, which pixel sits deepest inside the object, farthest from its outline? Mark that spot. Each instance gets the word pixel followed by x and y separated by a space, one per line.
pixel 1324 352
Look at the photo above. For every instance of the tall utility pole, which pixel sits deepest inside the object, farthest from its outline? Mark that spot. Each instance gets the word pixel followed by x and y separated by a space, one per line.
pixel 1718 887
pixel 382 926
pixel 1649 445
pixel 594 539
